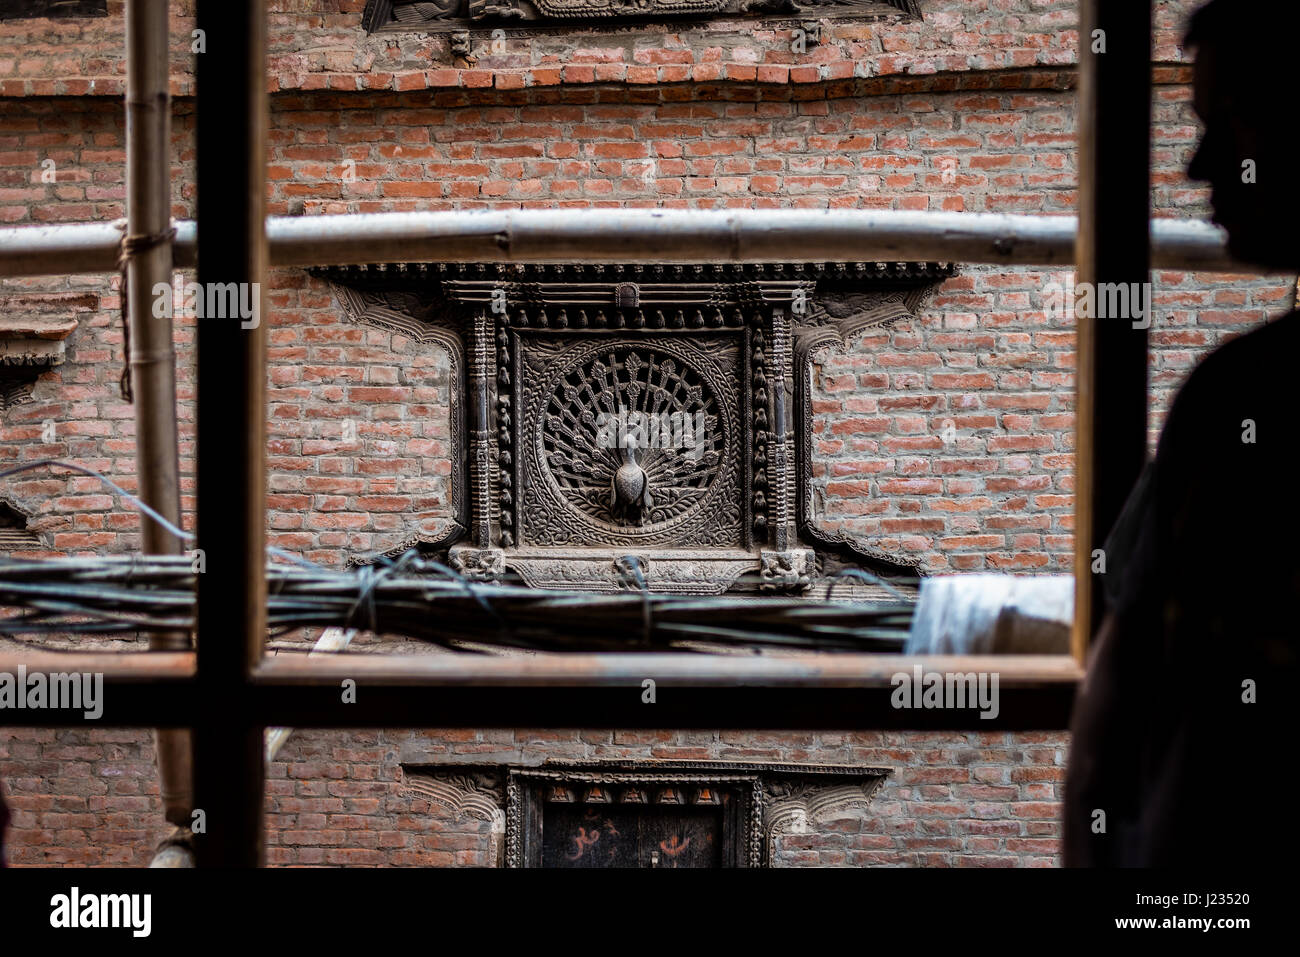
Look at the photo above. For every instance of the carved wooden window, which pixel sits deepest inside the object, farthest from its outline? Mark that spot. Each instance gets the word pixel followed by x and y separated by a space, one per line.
pixel 637 826
pixel 648 814
pixel 460 15
pixel 638 425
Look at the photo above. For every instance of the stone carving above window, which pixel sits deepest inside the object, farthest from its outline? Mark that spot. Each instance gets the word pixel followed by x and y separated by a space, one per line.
pixel 448 15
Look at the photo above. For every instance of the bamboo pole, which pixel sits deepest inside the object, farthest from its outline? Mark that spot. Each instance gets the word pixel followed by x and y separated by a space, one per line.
pixel 152 370
pixel 632 235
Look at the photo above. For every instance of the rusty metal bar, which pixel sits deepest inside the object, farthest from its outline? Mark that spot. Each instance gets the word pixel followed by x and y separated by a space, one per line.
pixel 119 669
pixel 148 215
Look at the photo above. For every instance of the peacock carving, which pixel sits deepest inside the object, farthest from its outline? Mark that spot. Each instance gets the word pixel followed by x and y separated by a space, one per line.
pixel 632 437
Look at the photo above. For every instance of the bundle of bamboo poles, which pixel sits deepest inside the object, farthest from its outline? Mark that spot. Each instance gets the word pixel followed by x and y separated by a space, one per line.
pixel 422 599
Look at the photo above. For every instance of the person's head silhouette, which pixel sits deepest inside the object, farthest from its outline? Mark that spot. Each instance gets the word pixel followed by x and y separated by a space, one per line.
pixel 1246 88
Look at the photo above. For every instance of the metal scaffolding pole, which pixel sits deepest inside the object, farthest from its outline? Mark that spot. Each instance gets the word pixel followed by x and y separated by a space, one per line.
pixel 634 235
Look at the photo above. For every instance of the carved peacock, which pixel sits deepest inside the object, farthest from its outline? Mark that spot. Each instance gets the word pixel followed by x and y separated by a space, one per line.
pixel 637 478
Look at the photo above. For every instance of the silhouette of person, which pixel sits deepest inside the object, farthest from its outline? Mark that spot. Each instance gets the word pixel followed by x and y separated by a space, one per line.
pixel 1181 735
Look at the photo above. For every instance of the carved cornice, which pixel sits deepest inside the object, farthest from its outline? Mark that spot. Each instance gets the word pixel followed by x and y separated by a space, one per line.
pixel 418 314
pixel 34 339
pixel 476 793
pixel 451 15
pixel 13 524
pixel 872 273
pixel 835 325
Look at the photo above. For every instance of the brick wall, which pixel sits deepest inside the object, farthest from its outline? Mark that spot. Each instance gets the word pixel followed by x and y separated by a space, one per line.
pixel 319 44
pixel 986 354
pixel 337 797
pixel 971 111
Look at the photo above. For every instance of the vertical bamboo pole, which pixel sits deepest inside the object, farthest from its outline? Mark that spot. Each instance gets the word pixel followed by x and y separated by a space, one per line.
pixel 232 119
pixel 1114 123
pixel 152 359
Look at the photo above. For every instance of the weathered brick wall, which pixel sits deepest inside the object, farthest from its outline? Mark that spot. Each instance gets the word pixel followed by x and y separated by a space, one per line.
pixel 989 358
pixel 986 355
pixel 337 798
pixel 85 798
pixel 319 44
pixel 971 111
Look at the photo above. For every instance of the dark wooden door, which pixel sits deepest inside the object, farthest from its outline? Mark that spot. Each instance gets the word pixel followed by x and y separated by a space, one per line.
pixel 607 835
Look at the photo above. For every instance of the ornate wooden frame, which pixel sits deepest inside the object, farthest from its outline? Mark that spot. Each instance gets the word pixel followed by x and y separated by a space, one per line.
pixel 490 319
pixel 435 16
pixel 770 799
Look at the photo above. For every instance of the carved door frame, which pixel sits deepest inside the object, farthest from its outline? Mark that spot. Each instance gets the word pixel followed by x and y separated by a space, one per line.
pixel 769 799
